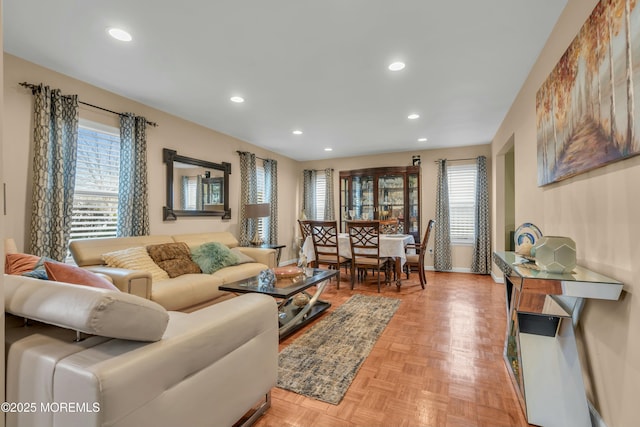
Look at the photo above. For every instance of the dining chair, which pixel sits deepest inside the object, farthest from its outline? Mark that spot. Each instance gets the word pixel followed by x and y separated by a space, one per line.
pixel 325 245
pixel 417 260
pixel 389 226
pixel 305 230
pixel 364 237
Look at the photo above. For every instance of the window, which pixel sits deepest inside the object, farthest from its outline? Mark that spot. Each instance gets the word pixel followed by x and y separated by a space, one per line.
pixel 190 192
pixel 261 198
pixel 321 188
pixel 462 202
pixel 314 194
pixel 95 197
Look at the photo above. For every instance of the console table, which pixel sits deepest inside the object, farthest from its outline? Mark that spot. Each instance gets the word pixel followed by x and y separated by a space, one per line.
pixel 540 347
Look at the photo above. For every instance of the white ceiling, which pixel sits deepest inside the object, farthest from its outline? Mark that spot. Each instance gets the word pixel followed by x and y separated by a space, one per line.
pixel 318 66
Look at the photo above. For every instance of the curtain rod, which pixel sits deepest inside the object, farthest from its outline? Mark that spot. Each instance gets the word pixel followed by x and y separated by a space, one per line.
pixel 34 87
pixel 319 170
pixel 240 152
pixel 456 160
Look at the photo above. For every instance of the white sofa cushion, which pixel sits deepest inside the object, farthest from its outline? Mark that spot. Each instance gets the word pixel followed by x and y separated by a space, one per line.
pixel 186 291
pixel 90 310
pixel 239 272
pixel 89 251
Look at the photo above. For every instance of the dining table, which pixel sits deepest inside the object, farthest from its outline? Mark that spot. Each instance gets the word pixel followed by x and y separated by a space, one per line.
pixel 391 246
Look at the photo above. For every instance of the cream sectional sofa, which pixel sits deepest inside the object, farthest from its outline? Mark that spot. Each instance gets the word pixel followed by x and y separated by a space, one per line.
pixel 187 292
pixel 139 365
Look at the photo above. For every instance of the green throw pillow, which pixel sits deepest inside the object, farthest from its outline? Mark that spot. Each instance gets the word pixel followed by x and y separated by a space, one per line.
pixel 213 256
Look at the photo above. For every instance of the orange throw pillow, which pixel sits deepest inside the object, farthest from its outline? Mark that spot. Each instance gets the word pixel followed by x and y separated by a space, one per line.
pixel 76 275
pixel 20 263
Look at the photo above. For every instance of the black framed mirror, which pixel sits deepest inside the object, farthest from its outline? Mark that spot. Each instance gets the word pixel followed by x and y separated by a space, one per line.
pixel 195 187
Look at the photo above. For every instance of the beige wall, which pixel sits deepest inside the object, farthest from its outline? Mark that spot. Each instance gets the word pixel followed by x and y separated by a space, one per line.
pixel 186 137
pixel 600 210
pixel 190 140
pixel 461 255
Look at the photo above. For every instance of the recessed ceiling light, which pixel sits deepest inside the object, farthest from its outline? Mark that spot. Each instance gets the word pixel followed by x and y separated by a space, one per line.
pixel 237 99
pixel 396 66
pixel 413 116
pixel 297 132
pixel 120 34
pixel 328 149
pixel 422 139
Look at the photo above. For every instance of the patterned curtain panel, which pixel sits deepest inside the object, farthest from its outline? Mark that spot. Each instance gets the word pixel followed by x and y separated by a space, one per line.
pixel 248 195
pixel 442 238
pixel 55 135
pixel 271 196
pixel 329 207
pixel 482 247
pixel 309 193
pixel 133 199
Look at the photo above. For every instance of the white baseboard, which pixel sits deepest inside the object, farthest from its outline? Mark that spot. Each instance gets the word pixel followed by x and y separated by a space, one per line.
pixel 596 419
pixel 497 279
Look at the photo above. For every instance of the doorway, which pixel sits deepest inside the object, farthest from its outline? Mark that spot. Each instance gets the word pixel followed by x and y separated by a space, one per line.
pixel 509 199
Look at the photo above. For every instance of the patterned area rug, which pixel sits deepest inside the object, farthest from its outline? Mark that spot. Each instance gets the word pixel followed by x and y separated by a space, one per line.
pixel 322 363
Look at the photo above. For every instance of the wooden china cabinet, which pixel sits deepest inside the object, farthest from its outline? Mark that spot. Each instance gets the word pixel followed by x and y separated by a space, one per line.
pixel 382 193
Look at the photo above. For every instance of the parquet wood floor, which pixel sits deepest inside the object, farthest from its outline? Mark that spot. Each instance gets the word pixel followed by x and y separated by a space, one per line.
pixel 437 364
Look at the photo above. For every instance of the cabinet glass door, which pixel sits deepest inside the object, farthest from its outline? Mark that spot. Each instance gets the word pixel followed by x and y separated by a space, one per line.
pixel 414 207
pixel 344 202
pixel 382 193
pixel 362 202
pixel 391 199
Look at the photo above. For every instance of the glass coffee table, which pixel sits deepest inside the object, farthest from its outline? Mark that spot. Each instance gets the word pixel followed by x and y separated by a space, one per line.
pixel 296 307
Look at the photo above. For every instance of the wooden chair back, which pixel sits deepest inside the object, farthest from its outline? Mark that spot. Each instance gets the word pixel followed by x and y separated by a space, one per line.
pixel 325 245
pixel 364 238
pixel 416 254
pixel 425 240
pixel 305 229
pixel 325 241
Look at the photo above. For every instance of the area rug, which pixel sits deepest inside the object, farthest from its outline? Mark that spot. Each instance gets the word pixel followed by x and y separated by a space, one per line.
pixel 322 363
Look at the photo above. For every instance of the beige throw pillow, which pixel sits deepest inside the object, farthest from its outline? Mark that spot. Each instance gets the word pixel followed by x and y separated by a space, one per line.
pixel 135 259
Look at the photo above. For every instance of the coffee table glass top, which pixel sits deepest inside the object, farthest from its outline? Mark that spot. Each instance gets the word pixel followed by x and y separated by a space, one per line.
pixel 283 288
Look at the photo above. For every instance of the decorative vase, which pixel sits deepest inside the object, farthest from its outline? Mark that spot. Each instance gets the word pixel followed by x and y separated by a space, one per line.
pixel 555 254
pixel 266 279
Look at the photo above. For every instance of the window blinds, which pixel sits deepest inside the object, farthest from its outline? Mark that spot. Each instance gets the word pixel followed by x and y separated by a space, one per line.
pixel 321 191
pixel 462 199
pixel 260 178
pixel 95 200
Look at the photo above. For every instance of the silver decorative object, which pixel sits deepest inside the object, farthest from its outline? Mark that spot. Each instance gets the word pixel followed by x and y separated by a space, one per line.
pixel 555 254
pixel 266 278
pixel 302 259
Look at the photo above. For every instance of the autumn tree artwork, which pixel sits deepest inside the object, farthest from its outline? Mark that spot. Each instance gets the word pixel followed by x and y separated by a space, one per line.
pixel 585 110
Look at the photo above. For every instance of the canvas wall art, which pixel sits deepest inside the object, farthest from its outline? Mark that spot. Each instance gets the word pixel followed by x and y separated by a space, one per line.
pixel 585 110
